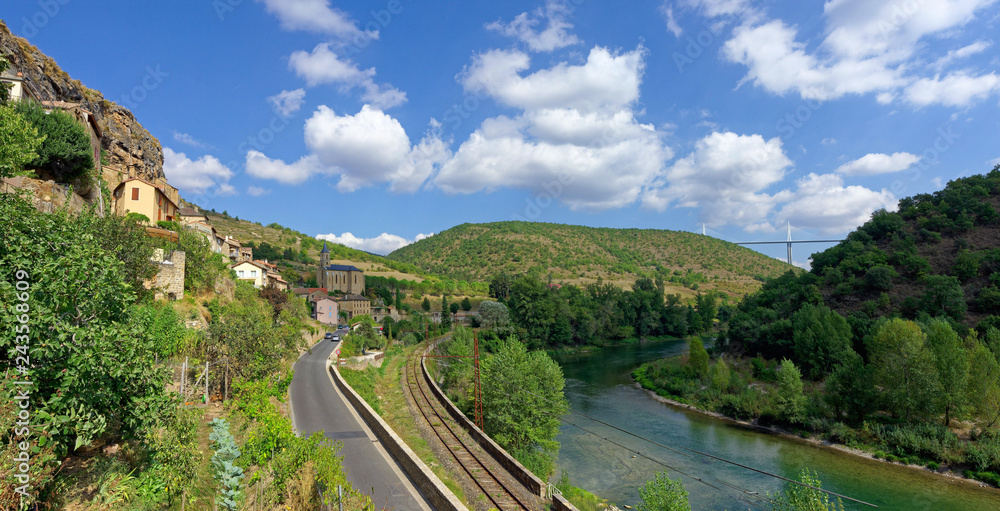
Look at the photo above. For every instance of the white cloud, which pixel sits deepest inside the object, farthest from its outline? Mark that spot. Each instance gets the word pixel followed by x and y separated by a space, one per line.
pixel 716 8
pixel 961 53
pixel 184 138
pixel 576 130
pixel 287 102
pixel 197 176
pixel 606 81
pixel 993 163
pixel 668 15
pixel 315 16
pixel 554 36
pixel 823 203
pixel 870 47
pixel 828 141
pixel 956 89
pixel 878 163
pixel 725 176
pixel 364 149
pixel 323 66
pixel 381 244
pixel 257 191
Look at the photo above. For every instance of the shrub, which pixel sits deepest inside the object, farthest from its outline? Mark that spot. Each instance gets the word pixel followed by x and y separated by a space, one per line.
pixel 65 153
pixel 933 466
pixel 880 277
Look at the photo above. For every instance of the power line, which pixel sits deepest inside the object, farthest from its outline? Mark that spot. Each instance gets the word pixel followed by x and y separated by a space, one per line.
pixel 696 451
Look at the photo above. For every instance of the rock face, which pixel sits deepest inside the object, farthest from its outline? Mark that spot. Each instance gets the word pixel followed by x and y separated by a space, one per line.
pixel 131 151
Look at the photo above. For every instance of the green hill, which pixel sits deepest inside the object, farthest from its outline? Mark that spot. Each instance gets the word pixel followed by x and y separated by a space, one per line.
pixel 938 256
pixel 581 255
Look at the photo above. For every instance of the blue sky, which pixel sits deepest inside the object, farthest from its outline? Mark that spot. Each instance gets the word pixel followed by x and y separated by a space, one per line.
pixel 380 122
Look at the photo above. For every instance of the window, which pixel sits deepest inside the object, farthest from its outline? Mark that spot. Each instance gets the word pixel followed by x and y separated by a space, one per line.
pixel 135 193
pixel 240 273
pixel 253 273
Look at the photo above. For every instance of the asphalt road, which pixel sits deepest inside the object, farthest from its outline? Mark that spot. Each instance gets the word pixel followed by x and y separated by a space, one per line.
pixel 318 405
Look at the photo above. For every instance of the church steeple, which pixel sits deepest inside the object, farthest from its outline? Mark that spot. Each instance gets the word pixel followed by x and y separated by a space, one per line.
pixel 324 261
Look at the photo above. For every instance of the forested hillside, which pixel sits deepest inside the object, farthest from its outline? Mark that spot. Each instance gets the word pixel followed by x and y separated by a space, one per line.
pixel 582 255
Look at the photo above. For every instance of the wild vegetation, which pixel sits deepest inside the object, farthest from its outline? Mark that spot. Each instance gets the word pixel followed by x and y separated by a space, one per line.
pixel 576 254
pixel 889 344
pixel 97 351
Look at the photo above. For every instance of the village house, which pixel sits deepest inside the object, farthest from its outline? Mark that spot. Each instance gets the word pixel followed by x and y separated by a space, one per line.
pixel 208 232
pixel 19 88
pixel 136 195
pixel 191 215
pixel 251 272
pixel 311 294
pixel 326 311
pixel 355 305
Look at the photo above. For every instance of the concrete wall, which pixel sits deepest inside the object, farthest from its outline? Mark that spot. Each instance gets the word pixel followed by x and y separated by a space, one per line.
pixel 437 494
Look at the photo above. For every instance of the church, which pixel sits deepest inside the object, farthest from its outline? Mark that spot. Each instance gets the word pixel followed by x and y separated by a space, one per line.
pixel 339 277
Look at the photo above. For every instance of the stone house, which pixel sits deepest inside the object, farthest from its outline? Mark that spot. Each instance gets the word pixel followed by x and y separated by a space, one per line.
pixel 136 195
pixel 311 294
pixel 169 280
pixel 355 305
pixel 326 310
pixel 191 215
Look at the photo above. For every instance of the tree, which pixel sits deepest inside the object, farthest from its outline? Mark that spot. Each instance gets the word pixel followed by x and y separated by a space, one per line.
pixel 454 307
pixel 697 357
pixel 952 365
pixel 245 331
pixel 789 399
pixel 445 313
pixel 494 315
pixel 801 498
pixel 466 304
pixel 720 376
pixel 943 294
pixel 850 388
pixel 19 141
pixel 500 286
pixel 983 390
pixel 707 309
pixel 904 368
pixel 821 336
pixel 65 153
pixel 522 402
pixel 4 86
pixel 663 494
pixel 426 305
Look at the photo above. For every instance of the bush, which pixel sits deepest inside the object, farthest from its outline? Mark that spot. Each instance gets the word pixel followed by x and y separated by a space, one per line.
pixel 65 153
pixel 880 277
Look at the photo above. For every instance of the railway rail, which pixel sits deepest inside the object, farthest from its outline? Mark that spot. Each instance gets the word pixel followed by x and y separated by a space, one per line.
pixel 473 461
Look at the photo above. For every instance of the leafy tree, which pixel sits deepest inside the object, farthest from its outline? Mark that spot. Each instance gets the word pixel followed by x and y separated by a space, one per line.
pixel 801 498
pixel 952 364
pixel 789 398
pixel 65 153
pixel 707 309
pixel 466 304
pixel 720 376
pixel 663 494
pixel 904 368
pixel 850 388
pixel 943 294
pixel 880 277
pixel 98 377
pixel 821 336
pixel 966 265
pixel 522 401
pixel 454 307
pixel 426 305
pixel 983 391
pixel 500 286
pixel 19 141
pixel 697 357
pixel 245 331
pixel 4 87
pixel 494 315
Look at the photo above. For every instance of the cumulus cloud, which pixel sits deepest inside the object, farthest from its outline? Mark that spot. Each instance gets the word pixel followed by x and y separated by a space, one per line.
pixel 381 244
pixel 363 149
pixel 287 102
pixel 323 66
pixel 870 47
pixel 576 129
pixel 199 176
pixel 878 163
pixel 726 177
pixel 823 203
pixel 184 138
pixel 555 35
pixel 315 16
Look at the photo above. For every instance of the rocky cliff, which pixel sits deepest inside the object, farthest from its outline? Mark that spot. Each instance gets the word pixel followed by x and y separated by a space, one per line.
pixel 129 148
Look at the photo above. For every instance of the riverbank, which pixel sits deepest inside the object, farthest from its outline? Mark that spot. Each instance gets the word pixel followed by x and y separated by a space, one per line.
pixel 590 348
pixel 869 442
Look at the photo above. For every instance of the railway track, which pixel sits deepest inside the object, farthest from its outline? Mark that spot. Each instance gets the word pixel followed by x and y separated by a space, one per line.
pixel 472 460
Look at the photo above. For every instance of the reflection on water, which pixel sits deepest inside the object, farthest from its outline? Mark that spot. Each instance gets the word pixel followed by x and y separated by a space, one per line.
pixel 599 384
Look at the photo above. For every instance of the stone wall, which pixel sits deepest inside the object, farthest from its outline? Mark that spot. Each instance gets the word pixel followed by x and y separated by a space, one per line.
pixel 47 196
pixel 169 282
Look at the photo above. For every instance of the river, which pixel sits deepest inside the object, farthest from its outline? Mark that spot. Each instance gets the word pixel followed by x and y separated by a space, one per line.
pixel 599 384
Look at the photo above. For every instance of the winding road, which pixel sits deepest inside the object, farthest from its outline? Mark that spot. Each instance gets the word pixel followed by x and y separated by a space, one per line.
pixel 317 405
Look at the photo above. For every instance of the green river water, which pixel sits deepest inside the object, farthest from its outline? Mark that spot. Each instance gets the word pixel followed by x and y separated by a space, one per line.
pixel 599 384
